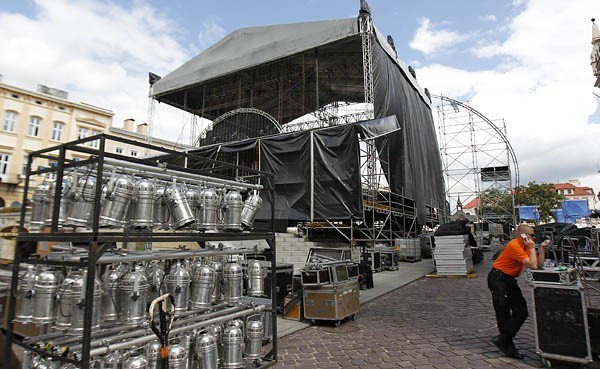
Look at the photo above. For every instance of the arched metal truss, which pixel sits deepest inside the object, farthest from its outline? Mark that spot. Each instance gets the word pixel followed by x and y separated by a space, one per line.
pixel 480 166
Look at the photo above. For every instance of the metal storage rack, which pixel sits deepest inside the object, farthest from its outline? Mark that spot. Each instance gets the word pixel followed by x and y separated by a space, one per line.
pixel 97 243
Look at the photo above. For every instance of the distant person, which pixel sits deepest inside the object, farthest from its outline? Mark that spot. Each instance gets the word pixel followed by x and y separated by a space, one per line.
pixel 509 304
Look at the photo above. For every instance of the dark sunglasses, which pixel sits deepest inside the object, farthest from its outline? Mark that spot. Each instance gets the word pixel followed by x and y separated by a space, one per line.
pixel 531 234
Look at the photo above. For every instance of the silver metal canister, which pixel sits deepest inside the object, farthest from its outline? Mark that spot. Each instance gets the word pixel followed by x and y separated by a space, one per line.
pixel 191 194
pixel 250 209
pixel 142 209
pixel 254 336
pixel 207 351
pixel 217 289
pixel 233 342
pixel 133 295
pixel 63 309
pixel 217 331
pixel 24 307
pixel 232 286
pixel 256 278
pixel 178 284
pixel 66 201
pixel 178 357
pixel 153 354
pixel 39 205
pixel 181 213
pixel 44 296
pixel 110 295
pixel 208 214
pixel 162 214
pixel 116 202
pixel 78 304
pixel 232 211
pixel 112 360
pixel 155 273
pixel 136 362
pixel 81 212
pixel 203 283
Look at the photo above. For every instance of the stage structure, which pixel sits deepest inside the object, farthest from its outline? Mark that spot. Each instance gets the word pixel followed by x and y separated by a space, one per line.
pixel 329 109
pixel 479 164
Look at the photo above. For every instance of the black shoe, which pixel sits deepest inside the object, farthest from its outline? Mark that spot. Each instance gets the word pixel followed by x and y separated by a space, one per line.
pixel 500 342
pixel 513 352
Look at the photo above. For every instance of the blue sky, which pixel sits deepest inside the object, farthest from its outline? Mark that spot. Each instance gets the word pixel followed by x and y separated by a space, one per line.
pixel 526 61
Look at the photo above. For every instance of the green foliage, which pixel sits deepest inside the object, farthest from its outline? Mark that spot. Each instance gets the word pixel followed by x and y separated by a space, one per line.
pixel 542 195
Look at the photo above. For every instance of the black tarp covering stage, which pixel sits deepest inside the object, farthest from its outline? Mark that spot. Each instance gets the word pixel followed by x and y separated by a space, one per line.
pixel 290 70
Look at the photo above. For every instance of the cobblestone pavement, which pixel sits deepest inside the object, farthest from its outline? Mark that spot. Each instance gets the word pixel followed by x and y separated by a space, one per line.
pixel 440 323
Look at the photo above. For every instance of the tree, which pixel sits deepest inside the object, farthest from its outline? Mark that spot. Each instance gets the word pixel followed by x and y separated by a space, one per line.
pixel 542 195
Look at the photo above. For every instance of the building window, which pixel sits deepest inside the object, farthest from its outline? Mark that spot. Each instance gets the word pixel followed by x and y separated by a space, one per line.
pixel 10 120
pixel 118 150
pixel 134 153
pixel 82 133
pixel 4 166
pixel 34 126
pixel 95 143
pixel 57 130
pixel 24 167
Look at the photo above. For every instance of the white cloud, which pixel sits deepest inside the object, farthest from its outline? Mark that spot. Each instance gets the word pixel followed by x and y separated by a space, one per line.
pixel 429 40
pixel 541 86
pixel 211 32
pixel 101 52
pixel 488 18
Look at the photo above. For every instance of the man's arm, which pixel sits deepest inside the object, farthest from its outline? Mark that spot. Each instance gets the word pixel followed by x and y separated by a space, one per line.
pixel 542 254
pixel 532 261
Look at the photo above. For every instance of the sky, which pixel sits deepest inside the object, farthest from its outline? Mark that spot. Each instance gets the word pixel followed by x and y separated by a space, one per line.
pixel 524 61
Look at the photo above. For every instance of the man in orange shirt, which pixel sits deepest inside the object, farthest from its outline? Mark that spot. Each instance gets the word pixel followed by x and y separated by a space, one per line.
pixel 509 304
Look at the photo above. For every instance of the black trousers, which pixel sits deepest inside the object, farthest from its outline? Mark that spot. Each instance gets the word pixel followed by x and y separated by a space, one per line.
pixel 509 304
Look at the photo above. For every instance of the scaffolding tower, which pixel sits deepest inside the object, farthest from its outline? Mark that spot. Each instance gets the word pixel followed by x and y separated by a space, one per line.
pixel 480 167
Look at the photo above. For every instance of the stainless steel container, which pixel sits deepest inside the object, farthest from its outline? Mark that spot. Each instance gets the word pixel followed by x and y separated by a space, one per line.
pixel 181 213
pixel 217 289
pixel 232 211
pixel 191 194
pixel 63 308
pixel 250 209
pixel 203 283
pixel 78 304
pixel 232 286
pixel 217 331
pixel 178 357
pixel 178 284
pixel 39 205
pixel 155 273
pixel 68 366
pixel 136 362
pixel 254 336
pixel 142 208
pixel 24 306
pixel 133 296
pixel 81 212
pixel 162 214
pixel 153 354
pixel 119 192
pixel 256 278
pixel 237 323
pixel 112 360
pixel 209 207
pixel 66 201
pixel 110 293
pixel 44 296
pixel 233 342
pixel 207 352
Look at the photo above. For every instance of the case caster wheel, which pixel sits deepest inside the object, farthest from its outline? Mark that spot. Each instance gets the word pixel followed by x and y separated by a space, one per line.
pixel 337 323
pixel 353 317
pixel 546 363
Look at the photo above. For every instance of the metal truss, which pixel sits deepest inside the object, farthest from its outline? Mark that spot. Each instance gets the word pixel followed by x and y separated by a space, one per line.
pixel 479 163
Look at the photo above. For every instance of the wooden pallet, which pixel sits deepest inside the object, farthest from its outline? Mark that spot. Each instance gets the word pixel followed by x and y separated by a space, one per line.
pixel 469 275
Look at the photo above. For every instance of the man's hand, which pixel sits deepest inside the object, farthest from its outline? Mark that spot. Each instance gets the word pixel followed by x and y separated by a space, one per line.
pixel 530 244
pixel 545 244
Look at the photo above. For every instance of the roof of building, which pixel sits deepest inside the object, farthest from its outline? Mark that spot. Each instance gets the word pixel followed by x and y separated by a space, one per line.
pixel 577 190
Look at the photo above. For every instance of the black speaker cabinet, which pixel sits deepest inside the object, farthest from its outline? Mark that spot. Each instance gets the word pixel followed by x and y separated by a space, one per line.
pixel 561 323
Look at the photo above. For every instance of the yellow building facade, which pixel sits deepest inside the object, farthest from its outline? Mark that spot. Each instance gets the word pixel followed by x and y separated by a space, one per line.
pixel 34 120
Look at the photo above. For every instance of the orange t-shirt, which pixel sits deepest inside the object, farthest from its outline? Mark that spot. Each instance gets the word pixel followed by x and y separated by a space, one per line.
pixel 510 260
